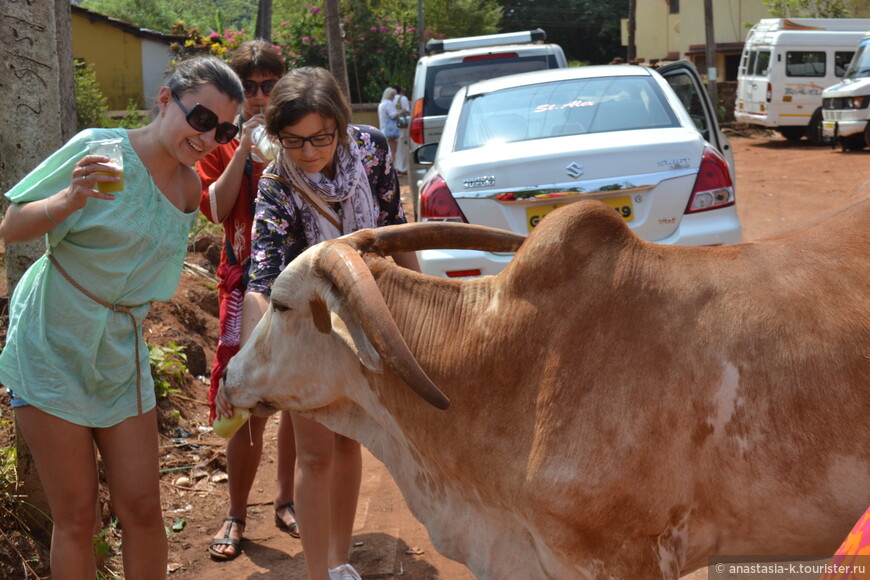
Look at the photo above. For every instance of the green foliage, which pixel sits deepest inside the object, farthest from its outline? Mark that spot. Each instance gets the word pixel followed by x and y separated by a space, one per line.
pixel 132 118
pixel 380 52
pixel 162 14
pixel 91 104
pixel 462 17
pixel 202 224
pixel 587 30
pixel 381 36
pixel 102 546
pixel 807 8
pixel 168 366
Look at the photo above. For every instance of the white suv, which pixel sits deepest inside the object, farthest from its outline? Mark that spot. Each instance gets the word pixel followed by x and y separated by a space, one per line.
pixel 452 64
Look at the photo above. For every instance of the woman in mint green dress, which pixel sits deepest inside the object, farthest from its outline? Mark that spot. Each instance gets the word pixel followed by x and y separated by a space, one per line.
pixel 74 360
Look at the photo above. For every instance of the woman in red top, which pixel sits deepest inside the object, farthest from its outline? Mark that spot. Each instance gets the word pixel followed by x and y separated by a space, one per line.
pixel 229 185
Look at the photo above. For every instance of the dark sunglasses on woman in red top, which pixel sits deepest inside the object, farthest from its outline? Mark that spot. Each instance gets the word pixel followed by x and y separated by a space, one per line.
pixel 204 120
pixel 252 86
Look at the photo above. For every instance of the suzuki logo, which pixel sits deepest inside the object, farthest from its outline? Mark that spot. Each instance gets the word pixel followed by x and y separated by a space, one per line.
pixel 574 169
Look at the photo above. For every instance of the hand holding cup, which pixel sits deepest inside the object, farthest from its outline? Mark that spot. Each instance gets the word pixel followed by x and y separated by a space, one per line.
pixel 112 169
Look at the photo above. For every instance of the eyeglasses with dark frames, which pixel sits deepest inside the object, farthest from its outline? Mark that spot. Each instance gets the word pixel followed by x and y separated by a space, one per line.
pixel 321 140
pixel 252 86
pixel 203 119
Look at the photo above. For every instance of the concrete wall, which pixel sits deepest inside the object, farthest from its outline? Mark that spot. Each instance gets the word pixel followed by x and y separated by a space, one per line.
pixel 155 60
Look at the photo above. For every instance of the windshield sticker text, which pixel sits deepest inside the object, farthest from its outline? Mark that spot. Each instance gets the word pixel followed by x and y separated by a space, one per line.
pixel 571 105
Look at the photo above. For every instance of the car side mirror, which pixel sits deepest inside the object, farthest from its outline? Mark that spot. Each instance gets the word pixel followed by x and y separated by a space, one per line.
pixel 425 154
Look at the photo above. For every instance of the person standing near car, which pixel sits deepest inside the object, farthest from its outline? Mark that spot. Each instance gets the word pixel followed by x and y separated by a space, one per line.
pixel 404 109
pixel 388 119
pixel 329 179
pixel 75 360
pixel 229 187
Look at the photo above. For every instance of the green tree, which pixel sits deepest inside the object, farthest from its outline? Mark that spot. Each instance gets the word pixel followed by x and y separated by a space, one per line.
pixel 808 8
pixel 161 15
pixel 587 30
pixel 90 102
pixel 381 37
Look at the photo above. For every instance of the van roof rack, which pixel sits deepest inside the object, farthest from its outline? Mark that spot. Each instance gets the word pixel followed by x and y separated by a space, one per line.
pixel 434 46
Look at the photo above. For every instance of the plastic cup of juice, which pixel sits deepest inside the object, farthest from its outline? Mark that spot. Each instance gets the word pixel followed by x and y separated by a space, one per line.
pixel 110 148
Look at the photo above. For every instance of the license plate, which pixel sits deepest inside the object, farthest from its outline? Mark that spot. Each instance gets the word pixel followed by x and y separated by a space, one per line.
pixel 828 125
pixel 622 205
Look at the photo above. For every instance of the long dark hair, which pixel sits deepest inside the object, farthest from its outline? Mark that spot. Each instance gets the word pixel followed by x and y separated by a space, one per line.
pixel 194 73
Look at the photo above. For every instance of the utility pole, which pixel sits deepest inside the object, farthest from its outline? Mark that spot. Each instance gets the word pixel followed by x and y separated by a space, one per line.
pixel 711 54
pixel 335 45
pixel 631 53
pixel 420 30
pixel 263 28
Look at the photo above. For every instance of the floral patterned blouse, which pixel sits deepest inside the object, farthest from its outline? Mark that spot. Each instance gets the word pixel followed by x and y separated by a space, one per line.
pixel 277 237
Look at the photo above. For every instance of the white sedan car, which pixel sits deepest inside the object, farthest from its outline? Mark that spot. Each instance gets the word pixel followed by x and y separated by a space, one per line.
pixel 515 148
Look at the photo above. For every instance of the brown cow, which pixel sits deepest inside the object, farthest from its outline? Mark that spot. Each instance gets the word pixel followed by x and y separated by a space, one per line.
pixel 617 408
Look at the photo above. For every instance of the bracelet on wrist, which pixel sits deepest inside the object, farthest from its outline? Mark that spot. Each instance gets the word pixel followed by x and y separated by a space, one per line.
pixel 48 215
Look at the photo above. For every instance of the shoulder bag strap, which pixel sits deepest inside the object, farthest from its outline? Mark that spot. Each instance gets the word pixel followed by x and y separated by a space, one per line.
pixel 330 216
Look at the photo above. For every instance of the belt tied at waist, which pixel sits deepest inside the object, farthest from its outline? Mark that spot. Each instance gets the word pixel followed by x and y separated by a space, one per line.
pixel 116 308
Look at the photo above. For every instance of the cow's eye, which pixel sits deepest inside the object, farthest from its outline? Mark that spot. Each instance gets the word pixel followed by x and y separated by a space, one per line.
pixel 278 307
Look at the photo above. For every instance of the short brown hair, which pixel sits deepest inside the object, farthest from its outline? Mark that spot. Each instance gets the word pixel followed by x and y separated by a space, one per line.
pixel 303 91
pixel 257 56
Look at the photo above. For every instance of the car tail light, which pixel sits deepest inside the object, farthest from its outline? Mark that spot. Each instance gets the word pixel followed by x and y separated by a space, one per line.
pixel 491 56
pixel 769 94
pixel 415 132
pixel 713 186
pixel 463 273
pixel 437 203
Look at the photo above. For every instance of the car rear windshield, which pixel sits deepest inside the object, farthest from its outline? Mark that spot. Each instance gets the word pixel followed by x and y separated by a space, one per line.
pixel 564 108
pixel 444 81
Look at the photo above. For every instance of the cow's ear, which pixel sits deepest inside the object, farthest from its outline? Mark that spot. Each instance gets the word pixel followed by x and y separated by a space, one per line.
pixel 346 327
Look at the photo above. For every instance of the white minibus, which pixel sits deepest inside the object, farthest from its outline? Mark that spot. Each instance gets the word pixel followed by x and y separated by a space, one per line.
pixel 785 66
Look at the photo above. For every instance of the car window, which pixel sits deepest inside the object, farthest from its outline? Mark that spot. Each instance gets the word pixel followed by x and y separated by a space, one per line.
pixel 558 109
pixel 749 65
pixel 805 63
pixel 688 95
pixel 762 63
pixel 841 62
pixel 444 81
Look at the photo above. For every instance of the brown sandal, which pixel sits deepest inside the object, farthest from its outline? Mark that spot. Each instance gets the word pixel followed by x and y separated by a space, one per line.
pixel 227 541
pixel 292 528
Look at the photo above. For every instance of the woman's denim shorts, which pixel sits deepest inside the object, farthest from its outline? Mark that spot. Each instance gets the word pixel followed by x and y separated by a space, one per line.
pixel 16 401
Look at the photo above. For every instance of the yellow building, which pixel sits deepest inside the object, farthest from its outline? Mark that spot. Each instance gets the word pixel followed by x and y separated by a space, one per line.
pixel 129 62
pixel 674 29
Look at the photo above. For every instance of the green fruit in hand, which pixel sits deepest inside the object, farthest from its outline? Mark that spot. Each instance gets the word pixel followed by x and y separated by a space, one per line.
pixel 226 427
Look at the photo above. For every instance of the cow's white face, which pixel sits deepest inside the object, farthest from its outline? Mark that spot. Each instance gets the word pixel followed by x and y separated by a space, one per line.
pixel 306 351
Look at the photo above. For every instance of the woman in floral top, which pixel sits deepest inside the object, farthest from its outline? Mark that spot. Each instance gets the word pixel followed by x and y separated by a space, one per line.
pixel 279 236
pixel 329 179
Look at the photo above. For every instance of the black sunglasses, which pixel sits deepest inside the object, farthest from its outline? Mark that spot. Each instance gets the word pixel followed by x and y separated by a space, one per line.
pixel 204 120
pixel 252 86
pixel 320 140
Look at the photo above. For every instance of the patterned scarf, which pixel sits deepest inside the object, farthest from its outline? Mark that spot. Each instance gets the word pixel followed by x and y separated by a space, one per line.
pixel 350 188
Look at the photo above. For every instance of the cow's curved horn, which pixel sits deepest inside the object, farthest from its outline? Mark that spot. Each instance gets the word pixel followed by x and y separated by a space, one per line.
pixel 343 265
pixel 434 236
